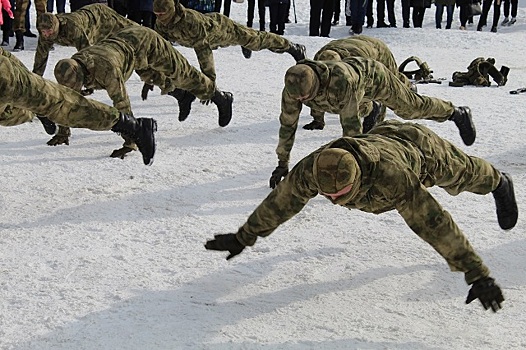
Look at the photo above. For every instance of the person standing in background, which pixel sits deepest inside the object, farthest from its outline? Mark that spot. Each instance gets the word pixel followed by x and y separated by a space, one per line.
pixel 278 14
pixel 61 6
pixel 507 21
pixel 320 17
pixel 449 5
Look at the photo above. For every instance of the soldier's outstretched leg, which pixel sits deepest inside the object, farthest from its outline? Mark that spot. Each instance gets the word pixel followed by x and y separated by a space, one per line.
pixel 184 99
pixel 141 131
pixel 462 118
pixel 223 101
pixel 507 211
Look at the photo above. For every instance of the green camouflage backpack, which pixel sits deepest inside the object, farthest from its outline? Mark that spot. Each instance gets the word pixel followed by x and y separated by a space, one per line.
pixel 479 72
pixel 422 73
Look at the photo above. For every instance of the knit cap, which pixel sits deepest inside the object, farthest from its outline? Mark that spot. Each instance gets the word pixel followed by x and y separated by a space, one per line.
pixel 68 72
pixel 301 80
pixel 335 169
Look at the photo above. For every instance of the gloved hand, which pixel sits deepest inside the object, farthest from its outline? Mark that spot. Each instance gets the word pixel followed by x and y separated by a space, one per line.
pixel 226 242
pixel 488 292
pixel 86 92
pixel 144 91
pixel 278 173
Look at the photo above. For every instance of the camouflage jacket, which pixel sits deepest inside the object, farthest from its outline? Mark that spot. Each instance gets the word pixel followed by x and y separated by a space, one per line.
pixel 394 177
pixel 80 29
pixel 340 92
pixel 111 62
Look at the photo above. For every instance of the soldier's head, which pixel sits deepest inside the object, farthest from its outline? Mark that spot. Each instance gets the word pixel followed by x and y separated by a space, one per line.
pixel 48 25
pixel 329 55
pixel 336 172
pixel 68 72
pixel 301 82
pixel 164 10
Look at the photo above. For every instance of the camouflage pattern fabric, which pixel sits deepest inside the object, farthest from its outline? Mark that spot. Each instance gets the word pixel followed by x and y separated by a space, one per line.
pixel 26 90
pixel 110 63
pixel 398 161
pixel 79 29
pixel 479 72
pixel 359 46
pixel 207 32
pixel 9 115
pixel 345 87
pixel 19 23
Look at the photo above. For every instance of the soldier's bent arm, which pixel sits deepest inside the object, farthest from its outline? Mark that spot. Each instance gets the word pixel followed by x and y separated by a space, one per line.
pixel 288 119
pixel 284 202
pixel 426 217
pixel 116 88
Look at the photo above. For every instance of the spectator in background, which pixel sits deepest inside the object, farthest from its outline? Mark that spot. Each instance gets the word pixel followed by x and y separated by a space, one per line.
pixel 337 11
pixel 28 33
pixel 74 5
pixel 61 6
pixel 464 14
pixel 320 17
pixel 250 13
pixel 380 13
pixel 507 21
pixel 141 12
pixel 450 9
pixel 486 5
pixel 356 11
pixel 278 15
pixel 203 6
pixel 406 13
pixel 419 9
pixel 6 20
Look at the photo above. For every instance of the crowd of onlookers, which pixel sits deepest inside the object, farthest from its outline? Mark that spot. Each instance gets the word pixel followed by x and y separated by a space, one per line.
pixel 323 13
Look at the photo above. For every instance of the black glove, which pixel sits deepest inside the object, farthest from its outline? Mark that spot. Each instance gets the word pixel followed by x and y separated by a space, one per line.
pixel 86 92
pixel 226 242
pixel 277 174
pixel 144 91
pixel 488 292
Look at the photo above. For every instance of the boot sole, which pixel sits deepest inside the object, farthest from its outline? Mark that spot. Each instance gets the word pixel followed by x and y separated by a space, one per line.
pixel 152 125
pixel 511 224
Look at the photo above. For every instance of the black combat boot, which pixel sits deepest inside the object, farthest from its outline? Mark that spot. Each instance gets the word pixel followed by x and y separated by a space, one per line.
pixel 462 118
pixel 223 101
pixel 184 99
pixel 370 121
pixel 19 45
pixel 246 52
pixel 141 131
pixel 507 211
pixel 49 126
pixel 314 125
pixel 297 51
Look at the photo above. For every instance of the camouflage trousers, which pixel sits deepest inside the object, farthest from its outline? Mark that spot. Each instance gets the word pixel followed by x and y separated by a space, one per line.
pixel 20 13
pixel 444 164
pixel 27 91
pixel 378 83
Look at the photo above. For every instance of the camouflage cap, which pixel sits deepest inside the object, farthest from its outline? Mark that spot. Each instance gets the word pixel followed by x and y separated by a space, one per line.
pixel 68 72
pixel 47 20
pixel 334 169
pixel 329 55
pixel 301 81
pixel 163 5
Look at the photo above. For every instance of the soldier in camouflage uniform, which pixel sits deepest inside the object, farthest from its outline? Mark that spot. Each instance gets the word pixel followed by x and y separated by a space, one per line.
pixel 342 88
pixel 109 64
pixel 19 24
pixel 207 32
pixel 390 168
pixel 79 29
pixel 358 46
pixel 22 89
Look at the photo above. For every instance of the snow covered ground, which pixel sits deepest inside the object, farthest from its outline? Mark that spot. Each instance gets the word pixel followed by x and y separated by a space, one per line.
pixel 101 253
